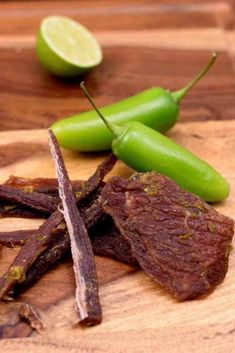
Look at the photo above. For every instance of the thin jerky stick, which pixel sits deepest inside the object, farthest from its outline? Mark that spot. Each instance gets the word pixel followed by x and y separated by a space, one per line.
pixel 105 238
pixel 38 243
pixel 28 254
pixel 28 313
pixel 55 251
pixel 35 186
pixel 94 181
pixel 41 202
pixel 43 185
pixel 19 211
pixel 38 185
pixel 91 212
pixel 111 245
pixel 18 237
pixel 50 185
pixel 87 299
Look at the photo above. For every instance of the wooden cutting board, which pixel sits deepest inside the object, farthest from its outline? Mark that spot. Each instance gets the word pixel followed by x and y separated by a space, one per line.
pixel 138 316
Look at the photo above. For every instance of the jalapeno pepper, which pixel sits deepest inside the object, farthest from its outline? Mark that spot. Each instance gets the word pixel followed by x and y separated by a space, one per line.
pixel 146 150
pixel 155 107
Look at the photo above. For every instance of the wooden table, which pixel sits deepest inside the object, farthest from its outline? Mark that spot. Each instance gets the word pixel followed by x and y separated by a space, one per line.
pixel 145 43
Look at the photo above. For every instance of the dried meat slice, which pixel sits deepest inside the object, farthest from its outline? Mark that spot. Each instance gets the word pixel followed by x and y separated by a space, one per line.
pixel 19 211
pixel 17 237
pixel 43 236
pixel 43 185
pixel 35 200
pixel 29 253
pixel 58 247
pixel 87 299
pixel 106 241
pixel 178 239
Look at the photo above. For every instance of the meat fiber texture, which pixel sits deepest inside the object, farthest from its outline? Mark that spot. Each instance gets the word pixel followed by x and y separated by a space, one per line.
pixel 178 239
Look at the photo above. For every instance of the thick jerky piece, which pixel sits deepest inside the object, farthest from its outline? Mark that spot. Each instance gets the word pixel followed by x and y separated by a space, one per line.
pixel 37 244
pixel 43 185
pixel 87 299
pixel 178 239
pixel 29 313
pixel 38 201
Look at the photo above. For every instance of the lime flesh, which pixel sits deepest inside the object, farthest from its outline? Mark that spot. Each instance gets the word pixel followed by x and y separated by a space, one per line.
pixel 66 48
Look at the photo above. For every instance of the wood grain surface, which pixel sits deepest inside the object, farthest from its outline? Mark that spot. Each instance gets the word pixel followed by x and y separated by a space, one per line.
pixel 138 314
pixel 145 43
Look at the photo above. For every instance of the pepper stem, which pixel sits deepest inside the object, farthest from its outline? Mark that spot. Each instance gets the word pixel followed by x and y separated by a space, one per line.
pixel 178 95
pixel 113 128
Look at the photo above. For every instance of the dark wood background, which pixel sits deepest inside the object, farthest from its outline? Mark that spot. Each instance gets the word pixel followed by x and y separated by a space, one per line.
pixel 145 43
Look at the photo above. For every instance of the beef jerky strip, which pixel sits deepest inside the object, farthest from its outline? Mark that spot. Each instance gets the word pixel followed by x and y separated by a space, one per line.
pixel 59 245
pixel 178 239
pixel 34 211
pixel 43 185
pixel 41 202
pixel 87 299
pixel 106 241
pixel 37 244
pixel 28 253
pixel 29 313
pixel 18 237
pixel 50 185
pixel 19 211
pixel 105 238
pixel 38 185
pixel 91 211
pixel 97 178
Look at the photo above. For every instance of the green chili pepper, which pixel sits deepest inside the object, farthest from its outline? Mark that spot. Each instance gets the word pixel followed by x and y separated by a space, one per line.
pixel 146 150
pixel 155 107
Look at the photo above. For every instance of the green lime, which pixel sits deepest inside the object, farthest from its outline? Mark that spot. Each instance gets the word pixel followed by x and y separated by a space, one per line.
pixel 66 48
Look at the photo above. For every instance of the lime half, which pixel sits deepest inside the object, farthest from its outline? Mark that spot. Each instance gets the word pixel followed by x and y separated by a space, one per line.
pixel 66 48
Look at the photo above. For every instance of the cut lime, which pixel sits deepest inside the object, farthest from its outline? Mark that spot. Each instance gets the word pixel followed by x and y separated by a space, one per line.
pixel 66 48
